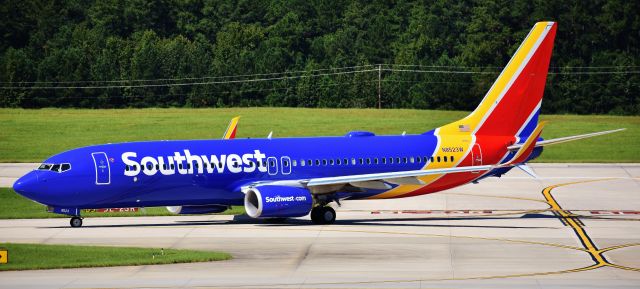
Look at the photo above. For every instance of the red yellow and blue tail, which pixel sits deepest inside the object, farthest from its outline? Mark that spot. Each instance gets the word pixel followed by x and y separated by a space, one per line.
pixel 512 104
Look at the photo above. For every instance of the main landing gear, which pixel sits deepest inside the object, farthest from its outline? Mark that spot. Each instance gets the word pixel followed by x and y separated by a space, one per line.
pixel 76 222
pixel 321 215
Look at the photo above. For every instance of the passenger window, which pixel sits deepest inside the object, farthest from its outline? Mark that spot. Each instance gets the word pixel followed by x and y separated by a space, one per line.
pixel 418 159
pixel 331 162
pixel 368 161
pixel 302 163
pixel 317 162
pixel 426 159
pixel 445 159
pixel 404 160
pixel 353 161
pixel 337 161
pixel 309 162
pixel 452 158
pixel 324 162
pixel 272 163
pixel 295 163
pixel 345 161
pixel 361 161
pixel 157 167
pixel 384 160
pixel 285 163
pixel 431 159
pixel 390 160
pixel 398 160
pixel 438 158
pixel 412 160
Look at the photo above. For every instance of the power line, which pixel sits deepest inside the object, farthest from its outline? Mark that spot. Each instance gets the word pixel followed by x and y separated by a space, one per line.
pixel 184 84
pixel 192 78
pixel 371 68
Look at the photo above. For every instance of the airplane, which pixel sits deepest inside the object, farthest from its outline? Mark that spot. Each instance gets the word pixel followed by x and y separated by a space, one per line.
pixel 293 177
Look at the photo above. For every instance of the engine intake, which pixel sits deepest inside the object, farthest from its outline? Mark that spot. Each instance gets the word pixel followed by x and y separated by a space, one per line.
pixel 277 202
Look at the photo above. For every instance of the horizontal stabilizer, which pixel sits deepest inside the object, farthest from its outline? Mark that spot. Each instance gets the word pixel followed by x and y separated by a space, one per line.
pixel 527 147
pixel 567 139
pixel 528 170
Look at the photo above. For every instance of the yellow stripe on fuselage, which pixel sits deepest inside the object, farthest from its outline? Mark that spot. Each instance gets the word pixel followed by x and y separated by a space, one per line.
pixel 464 142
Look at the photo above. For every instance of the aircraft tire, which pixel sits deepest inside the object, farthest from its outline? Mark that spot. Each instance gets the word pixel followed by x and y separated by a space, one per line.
pixel 323 215
pixel 75 222
pixel 328 215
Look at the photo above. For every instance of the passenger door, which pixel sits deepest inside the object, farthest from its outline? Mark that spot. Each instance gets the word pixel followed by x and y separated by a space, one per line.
pixel 103 169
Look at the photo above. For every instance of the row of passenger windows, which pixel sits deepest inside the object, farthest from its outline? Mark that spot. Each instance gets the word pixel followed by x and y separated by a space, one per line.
pixel 315 162
pixel 59 168
pixel 369 161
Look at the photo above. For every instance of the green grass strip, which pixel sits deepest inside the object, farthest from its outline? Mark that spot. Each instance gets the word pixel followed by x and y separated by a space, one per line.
pixel 34 135
pixel 38 256
pixel 15 206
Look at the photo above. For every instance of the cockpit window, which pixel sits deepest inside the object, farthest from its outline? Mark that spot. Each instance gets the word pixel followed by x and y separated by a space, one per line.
pixel 65 167
pixel 59 168
pixel 45 167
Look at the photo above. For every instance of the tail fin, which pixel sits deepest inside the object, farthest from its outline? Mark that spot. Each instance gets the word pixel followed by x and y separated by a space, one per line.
pixel 511 105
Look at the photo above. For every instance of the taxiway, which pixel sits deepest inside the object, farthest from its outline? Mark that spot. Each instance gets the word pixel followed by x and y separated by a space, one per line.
pixel 578 226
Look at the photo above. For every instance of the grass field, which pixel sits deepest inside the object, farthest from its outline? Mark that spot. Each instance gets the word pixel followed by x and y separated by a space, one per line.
pixel 14 206
pixel 36 256
pixel 33 135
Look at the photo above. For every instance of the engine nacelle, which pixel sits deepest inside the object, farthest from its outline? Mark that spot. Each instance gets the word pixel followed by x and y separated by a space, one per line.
pixel 197 210
pixel 277 202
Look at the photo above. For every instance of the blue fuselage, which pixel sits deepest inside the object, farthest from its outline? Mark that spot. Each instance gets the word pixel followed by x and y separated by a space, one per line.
pixel 204 172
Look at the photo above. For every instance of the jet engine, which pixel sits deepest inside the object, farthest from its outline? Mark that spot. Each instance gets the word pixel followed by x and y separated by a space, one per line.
pixel 197 210
pixel 277 202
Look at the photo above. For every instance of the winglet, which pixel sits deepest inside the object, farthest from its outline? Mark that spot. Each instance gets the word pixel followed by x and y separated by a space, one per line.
pixel 527 147
pixel 230 133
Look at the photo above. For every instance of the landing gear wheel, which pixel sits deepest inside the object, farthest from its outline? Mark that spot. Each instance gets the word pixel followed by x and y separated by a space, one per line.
pixel 323 215
pixel 76 222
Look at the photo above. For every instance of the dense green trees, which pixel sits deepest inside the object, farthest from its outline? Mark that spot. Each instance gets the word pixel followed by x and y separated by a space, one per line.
pixel 434 54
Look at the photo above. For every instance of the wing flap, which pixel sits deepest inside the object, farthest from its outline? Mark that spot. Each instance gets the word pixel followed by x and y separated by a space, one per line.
pixel 397 176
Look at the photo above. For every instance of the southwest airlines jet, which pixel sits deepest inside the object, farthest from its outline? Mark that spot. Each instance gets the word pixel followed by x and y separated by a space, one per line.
pixel 294 177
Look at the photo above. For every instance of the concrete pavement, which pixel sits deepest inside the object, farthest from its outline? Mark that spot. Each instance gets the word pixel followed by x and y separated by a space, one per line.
pixel 576 227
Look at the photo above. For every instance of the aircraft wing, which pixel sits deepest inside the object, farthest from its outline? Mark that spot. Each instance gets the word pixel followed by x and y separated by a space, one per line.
pixel 371 181
pixel 377 180
pixel 565 139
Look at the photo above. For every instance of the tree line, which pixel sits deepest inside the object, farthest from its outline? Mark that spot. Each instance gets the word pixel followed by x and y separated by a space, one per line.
pixel 310 53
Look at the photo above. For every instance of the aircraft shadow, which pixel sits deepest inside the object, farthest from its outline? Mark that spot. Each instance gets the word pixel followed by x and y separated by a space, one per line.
pixel 389 222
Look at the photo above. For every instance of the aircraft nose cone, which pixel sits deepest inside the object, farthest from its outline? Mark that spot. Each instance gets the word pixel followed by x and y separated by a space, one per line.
pixel 26 185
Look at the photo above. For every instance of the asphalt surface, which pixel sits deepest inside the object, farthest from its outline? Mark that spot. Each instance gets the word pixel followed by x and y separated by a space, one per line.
pixel 576 227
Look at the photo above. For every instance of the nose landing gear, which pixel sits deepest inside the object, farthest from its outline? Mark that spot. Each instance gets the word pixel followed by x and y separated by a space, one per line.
pixel 75 222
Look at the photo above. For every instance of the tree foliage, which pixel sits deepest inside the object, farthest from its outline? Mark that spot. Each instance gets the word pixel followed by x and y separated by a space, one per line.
pixel 133 49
